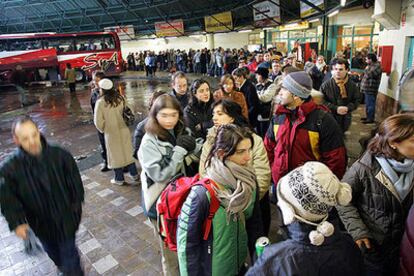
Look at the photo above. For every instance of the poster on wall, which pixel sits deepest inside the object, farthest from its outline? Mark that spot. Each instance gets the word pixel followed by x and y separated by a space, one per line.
pixel 266 13
pixel 170 28
pixel 124 32
pixel 306 10
pixel 219 22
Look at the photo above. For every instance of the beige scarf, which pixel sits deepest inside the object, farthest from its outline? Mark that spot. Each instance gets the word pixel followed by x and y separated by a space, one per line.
pixel 239 182
pixel 341 85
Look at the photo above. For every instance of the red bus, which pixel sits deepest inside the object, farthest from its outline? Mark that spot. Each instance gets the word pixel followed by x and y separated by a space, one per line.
pixel 44 55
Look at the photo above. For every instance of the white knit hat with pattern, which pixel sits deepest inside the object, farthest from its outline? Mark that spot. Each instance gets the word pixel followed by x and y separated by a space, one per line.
pixel 308 193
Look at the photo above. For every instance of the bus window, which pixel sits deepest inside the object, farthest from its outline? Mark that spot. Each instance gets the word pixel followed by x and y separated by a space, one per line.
pixel 61 45
pixel 24 44
pixel 3 45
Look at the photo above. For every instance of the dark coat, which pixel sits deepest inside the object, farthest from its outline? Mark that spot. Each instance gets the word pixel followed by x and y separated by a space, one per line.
pixel 198 117
pixel 372 78
pixel 333 99
pixel 182 99
pixel 376 212
pixel 253 103
pixel 407 247
pixel 338 255
pixel 138 135
pixel 45 192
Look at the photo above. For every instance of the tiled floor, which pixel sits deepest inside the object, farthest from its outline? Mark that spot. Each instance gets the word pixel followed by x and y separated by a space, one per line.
pixel 114 237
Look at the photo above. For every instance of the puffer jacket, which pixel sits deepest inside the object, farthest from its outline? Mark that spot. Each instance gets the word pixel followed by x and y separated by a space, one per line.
pixel 46 192
pixel 372 78
pixel 376 212
pixel 235 96
pixel 305 134
pixel 259 160
pixel 226 249
pixel 338 255
pixel 160 162
pixel 407 247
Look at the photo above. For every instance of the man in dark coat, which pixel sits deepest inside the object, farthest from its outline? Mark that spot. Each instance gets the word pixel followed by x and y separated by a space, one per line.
pixel 369 86
pixel 249 91
pixel 41 188
pixel 341 95
pixel 179 84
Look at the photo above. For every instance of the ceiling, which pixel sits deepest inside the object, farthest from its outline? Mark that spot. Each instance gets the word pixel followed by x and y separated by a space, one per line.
pixel 65 16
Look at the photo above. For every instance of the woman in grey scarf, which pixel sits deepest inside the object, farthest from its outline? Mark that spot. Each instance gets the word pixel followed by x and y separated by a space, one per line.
pixel 382 182
pixel 236 224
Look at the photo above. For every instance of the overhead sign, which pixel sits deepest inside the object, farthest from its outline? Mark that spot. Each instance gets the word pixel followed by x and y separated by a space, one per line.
pixel 124 32
pixel 306 10
pixel 295 26
pixel 170 28
pixel 218 22
pixel 266 13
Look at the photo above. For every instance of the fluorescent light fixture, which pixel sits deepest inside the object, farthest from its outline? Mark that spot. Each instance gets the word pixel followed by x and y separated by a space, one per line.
pixel 245 31
pixel 343 3
pixel 314 20
pixel 333 13
pixel 268 28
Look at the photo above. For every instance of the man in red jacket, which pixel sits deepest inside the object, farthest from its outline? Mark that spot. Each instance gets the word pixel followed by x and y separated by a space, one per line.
pixel 302 132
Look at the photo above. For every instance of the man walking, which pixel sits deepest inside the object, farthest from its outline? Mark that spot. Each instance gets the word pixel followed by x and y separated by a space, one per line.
pixel 70 76
pixel 341 94
pixel 300 132
pixel 41 188
pixel 369 86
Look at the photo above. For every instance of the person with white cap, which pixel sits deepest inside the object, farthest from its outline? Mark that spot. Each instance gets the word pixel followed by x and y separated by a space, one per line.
pixel 300 131
pixel 108 120
pixel 315 246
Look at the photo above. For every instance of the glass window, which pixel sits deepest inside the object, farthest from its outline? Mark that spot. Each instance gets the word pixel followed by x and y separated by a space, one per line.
pixel 3 45
pixel 347 30
pixel 24 44
pixel 283 34
pixel 62 44
pixel 311 32
pixel 296 34
pixel 363 30
pixel 377 27
pixel 254 39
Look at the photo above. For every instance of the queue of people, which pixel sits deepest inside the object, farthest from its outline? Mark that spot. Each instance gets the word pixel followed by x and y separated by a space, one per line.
pixel 281 140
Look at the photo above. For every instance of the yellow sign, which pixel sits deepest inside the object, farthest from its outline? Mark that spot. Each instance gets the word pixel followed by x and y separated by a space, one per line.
pixel 219 22
pixel 306 10
pixel 295 26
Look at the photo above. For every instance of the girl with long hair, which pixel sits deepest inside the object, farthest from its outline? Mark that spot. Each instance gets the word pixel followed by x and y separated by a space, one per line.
pixel 166 149
pixel 236 224
pixel 109 121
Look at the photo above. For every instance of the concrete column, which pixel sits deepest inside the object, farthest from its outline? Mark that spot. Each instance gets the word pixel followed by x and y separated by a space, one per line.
pixel 210 39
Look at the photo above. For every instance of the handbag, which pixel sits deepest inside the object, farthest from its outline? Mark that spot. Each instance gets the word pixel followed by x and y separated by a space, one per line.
pixel 127 115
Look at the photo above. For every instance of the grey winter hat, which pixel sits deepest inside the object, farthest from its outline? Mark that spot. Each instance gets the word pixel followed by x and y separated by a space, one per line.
pixel 299 84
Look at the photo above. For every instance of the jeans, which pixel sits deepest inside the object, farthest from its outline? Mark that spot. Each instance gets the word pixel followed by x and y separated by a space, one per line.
pixel 72 87
pixel 370 102
pixel 119 172
pixel 65 255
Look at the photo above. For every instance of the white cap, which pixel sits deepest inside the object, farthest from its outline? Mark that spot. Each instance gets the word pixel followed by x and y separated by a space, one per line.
pixel 316 93
pixel 106 84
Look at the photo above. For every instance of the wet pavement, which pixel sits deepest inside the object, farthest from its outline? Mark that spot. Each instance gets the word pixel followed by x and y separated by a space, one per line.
pixel 114 237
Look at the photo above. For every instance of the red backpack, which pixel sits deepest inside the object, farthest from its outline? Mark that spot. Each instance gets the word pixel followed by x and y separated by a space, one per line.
pixel 170 203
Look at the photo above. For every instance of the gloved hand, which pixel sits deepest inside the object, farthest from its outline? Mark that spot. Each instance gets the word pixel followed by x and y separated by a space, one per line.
pixel 187 142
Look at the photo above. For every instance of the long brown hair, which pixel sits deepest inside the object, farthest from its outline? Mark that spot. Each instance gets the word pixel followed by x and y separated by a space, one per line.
pixel 153 127
pixel 394 129
pixel 112 97
pixel 227 138
pixel 224 79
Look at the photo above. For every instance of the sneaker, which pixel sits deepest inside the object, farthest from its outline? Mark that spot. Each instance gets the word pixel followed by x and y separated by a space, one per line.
pixel 135 179
pixel 104 168
pixel 119 183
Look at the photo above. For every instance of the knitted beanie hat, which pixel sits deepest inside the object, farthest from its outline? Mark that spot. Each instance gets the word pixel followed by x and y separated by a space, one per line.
pixel 307 194
pixel 299 84
pixel 262 71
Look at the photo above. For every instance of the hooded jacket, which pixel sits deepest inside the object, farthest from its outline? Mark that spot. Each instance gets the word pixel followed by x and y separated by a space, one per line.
pixel 46 192
pixel 198 117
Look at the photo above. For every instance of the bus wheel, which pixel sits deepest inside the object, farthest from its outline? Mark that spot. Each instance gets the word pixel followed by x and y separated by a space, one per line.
pixel 80 76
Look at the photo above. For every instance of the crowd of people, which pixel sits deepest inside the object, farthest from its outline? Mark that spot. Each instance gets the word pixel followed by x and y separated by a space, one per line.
pixel 271 132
